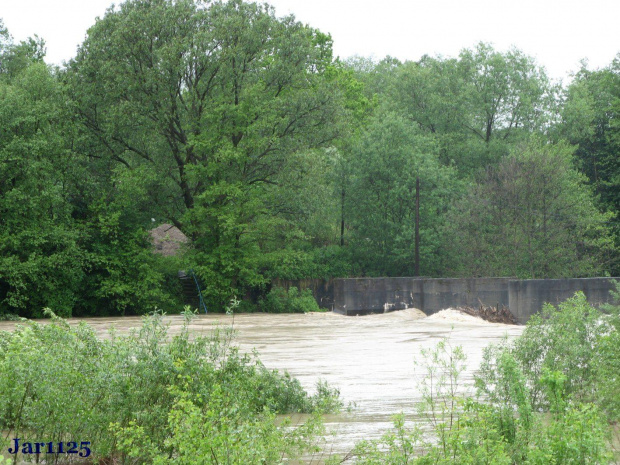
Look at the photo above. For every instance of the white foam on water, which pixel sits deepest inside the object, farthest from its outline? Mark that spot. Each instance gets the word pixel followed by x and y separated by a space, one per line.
pixel 451 314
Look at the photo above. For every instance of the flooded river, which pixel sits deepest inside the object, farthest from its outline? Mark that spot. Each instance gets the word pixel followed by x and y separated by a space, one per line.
pixel 369 358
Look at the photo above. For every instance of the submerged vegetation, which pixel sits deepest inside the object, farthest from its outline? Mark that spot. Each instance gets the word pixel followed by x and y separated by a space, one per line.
pixel 552 395
pixel 278 161
pixel 549 396
pixel 152 397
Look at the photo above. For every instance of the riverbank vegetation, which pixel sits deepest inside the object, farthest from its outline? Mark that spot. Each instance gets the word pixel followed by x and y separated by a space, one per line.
pixel 279 161
pixel 550 396
pixel 151 397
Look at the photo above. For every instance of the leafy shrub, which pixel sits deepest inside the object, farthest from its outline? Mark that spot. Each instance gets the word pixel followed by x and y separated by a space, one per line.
pixel 608 359
pixel 279 300
pixel 9 317
pixel 246 306
pixel 565 339
pixel 221 431
pixel 500 429
pixel 565 363
pixel 454 429
pixel 59 381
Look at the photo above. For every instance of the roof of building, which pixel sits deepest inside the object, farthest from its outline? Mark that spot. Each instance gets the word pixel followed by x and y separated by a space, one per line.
pixel 167 239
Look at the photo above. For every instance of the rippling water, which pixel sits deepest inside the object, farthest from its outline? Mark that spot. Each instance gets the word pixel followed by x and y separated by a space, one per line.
pixel 369 358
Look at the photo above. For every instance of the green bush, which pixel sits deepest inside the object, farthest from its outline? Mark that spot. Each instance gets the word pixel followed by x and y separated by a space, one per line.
pixel 279 300
pixel 220 431
pixel 501 428
pixel 565 365
pixel 59 381
pixel 565 339
pixel 453 430
pixel 608 360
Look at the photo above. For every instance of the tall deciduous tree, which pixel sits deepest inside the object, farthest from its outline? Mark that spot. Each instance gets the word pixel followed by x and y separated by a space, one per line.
pixel 208 101
pixel 14 58
pixel 590 120
pixel 531 216
pixel 475 105
pixel 388 160
pixel 503 92
pixel 41 261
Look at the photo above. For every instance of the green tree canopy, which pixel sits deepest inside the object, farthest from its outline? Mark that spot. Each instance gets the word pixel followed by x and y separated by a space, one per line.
pixel 14 58
pixel 476 105
pixel 591 120
pixel 208 103
pixel 41 262
pixel 531 216
pixel 387 161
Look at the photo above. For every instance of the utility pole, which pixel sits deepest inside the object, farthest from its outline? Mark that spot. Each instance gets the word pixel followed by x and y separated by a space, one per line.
pixel 417 227
pixel 342 219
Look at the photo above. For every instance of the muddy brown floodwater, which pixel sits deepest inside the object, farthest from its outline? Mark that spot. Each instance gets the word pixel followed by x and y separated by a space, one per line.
pixel 369 358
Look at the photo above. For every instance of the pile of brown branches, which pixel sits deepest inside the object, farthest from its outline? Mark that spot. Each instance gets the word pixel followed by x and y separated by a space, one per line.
pixel 489 313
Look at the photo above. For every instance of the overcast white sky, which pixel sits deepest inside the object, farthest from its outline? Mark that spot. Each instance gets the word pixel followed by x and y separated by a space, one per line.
pixel 558 33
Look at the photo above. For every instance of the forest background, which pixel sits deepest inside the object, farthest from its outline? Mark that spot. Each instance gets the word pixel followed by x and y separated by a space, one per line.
pixel 279 161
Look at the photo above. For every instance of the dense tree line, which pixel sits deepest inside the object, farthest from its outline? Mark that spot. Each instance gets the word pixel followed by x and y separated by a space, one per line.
pixel 278 160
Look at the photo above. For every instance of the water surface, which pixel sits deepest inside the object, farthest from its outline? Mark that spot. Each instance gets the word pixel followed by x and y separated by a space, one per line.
pixel 369 358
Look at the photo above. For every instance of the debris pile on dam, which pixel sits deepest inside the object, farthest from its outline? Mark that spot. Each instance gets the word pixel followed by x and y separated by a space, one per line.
pixel 498 314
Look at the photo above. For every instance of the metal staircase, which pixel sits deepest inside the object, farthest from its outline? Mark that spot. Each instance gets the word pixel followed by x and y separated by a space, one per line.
pixel 191 290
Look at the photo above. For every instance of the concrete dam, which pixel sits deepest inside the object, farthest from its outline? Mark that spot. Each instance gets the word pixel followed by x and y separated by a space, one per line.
pixel 524 297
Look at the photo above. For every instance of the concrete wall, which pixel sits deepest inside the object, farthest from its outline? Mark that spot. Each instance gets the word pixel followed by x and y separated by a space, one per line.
pixel 526 297
pixel 438 294
pixel 358 296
